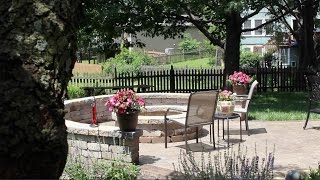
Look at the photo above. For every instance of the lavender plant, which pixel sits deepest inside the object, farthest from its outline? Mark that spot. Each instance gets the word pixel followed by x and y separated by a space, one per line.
pixel 230 164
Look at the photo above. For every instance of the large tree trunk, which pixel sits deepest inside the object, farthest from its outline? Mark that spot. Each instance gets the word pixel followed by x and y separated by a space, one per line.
pixel 307 55
pixel 37 54
pixel 232 45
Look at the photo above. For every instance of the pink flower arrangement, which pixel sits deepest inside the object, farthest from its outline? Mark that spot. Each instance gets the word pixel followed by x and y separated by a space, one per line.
pixel 226 95
pixel 239 78
pixel 125 101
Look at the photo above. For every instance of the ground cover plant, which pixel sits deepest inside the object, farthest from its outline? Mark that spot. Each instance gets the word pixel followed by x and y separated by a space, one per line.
pixel 234 164
pixel 77 169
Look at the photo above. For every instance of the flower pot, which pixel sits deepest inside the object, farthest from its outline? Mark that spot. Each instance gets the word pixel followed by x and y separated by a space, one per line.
pixel 128 121
pixel 240 89
pixel 225 107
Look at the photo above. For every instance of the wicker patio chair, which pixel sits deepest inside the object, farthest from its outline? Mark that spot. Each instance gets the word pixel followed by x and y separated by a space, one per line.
pixel 200 111
pixel 313 86
pixel 243 109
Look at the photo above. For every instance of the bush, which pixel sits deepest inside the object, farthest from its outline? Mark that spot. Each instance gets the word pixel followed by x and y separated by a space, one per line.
pixel 249 59
pixel 188 43
pixel 231 165
pixel 127 62
pixel 74 91
pixel 115 170
pixel 314 174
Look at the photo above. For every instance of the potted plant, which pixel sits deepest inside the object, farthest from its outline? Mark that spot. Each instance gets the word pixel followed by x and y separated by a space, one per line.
pixel 240 82
pixel 127 105
pixel 226 102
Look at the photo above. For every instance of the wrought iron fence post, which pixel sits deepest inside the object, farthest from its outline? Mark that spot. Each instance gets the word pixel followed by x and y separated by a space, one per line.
pixel 172 80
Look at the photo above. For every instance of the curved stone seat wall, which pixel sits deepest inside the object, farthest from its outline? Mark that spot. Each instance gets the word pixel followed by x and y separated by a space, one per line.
pixel 80 111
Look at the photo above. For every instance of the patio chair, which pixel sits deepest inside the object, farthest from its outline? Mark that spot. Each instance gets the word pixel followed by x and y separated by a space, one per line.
pixel 200 111
pixel 313 86
pixel 243 108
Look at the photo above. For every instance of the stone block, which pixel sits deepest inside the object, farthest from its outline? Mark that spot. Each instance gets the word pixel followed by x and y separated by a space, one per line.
pixel 86 138
pixel 107 155
pixel 74 113
pixel 94 146
pixel 78 144
pixel 104 147
pixel 157 140
pixel 85 153
pixel 119 149
pixel 145 139
pixel 178 138
pixel 153 133
pixel 110 140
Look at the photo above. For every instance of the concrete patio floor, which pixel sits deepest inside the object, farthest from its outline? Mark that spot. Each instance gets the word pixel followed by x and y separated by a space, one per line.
pixel 295 148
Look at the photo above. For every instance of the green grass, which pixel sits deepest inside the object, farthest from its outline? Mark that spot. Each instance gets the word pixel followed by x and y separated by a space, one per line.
pixel 197 63
pixel 283 106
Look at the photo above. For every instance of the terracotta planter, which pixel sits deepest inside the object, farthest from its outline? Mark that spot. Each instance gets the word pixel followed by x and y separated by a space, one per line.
pixel 128 121
pixel 240 89
pixel 225 107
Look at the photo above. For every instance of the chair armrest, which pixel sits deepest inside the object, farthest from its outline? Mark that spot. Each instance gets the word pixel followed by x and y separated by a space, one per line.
pixel 173 109
pixel 242 98
pixel 241 95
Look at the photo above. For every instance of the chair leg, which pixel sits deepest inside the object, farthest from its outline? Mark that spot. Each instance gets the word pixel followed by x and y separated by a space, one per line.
pixel 247 124
pixel 165 133
pixel 305 124
pixel 214 141
pixel 197 134
pixel 240 130
pixel 210 132
pixel 186 139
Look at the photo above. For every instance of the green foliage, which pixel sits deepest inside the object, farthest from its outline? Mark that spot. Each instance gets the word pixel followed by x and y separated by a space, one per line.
pixel 227 165
pixel 75 92
pixel 249 59
pixel 127 62
pixel 188 43
pixel 76 169
pixel 314 174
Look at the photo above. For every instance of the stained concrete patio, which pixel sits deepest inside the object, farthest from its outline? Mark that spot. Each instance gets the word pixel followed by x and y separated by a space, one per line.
pixel 295 148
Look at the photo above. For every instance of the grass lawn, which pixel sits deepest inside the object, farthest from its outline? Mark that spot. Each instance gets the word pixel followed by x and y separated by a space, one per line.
pixel 197 63
pixel 283 106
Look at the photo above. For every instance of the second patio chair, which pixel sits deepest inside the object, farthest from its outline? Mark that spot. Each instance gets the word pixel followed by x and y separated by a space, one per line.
pixel 243 108
pixel 313 86
pixel 200 111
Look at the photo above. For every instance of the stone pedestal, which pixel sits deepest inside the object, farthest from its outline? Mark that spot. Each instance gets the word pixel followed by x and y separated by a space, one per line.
pixel 103 143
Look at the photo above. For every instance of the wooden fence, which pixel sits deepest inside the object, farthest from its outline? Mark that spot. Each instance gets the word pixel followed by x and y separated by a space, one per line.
pixel 278 78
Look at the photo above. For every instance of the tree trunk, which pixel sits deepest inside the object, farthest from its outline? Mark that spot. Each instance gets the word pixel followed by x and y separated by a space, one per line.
pixel 307 48
pixel 232 45
pixel 37 54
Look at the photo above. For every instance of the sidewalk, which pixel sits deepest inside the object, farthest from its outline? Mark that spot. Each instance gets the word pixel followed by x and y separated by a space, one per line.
pixel 295 148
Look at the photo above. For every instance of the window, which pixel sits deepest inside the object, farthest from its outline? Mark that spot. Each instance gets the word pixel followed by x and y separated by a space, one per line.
pixel 269 28
pixel 256 24
pixel 295 25
pixel 247 25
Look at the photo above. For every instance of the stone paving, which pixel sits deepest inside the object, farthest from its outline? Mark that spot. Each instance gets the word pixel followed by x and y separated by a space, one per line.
pixel 295 148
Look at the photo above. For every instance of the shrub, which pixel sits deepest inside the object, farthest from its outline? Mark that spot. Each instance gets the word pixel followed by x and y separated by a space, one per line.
pixel 249 59
pixel 188 43
pixel 116 170
pixel 74 91
pixel 127 62
pixel 229 165
pixel 314 174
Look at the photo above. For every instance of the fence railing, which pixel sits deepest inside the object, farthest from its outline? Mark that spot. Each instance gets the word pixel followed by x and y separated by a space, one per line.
pixel 278 78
